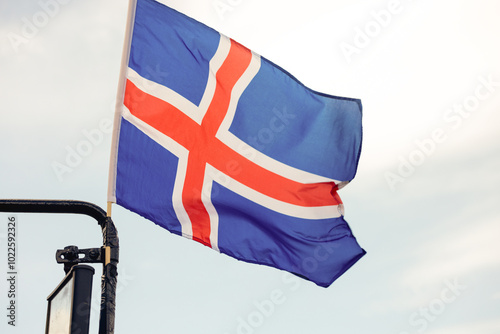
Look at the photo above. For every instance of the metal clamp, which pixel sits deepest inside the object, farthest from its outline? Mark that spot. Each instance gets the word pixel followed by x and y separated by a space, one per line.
pixel 71 256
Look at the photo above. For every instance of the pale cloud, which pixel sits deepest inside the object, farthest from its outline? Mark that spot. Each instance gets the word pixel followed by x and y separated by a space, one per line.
pixel 483 327
pixel 464 245
pixel 456 252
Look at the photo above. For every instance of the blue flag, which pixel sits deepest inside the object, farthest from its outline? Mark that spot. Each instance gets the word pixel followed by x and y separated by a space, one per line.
pixel 217 144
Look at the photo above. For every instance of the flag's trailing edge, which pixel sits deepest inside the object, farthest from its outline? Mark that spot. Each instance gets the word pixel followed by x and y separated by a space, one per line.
pixel 219 145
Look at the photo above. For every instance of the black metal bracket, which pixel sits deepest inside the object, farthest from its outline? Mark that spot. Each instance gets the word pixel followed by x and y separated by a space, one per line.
pixel 72 255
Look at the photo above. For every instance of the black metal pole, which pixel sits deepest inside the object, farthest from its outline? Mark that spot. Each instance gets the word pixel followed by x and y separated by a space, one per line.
pixel 109 278
pixel 110 244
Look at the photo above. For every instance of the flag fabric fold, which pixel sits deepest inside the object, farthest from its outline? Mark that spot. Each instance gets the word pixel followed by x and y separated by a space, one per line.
pixel 217 144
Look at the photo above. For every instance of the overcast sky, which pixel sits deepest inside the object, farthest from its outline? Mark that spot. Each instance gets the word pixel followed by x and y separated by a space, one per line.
pixel 424 204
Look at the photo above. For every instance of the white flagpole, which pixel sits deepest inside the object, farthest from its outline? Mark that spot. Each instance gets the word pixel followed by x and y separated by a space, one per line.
pixel 119 103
